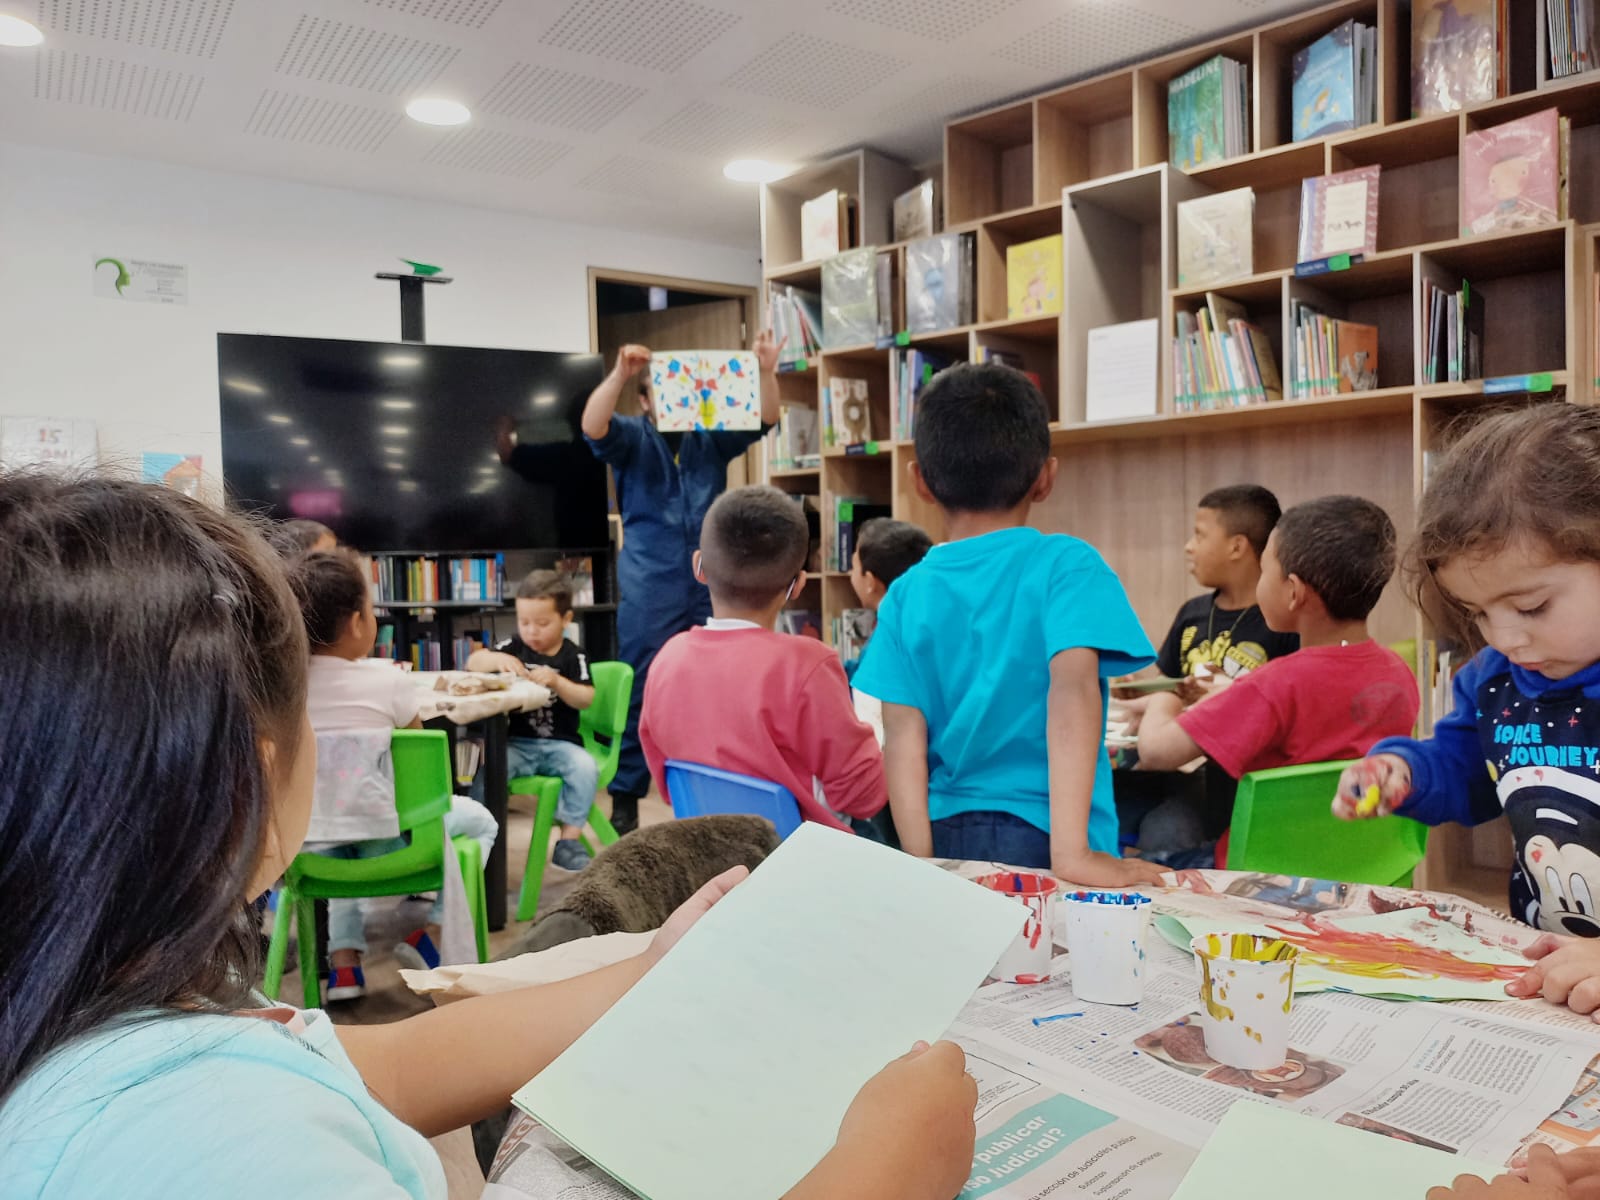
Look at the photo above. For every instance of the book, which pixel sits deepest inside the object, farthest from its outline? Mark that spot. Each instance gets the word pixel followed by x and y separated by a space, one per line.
pixel 917 212
pixel 1512 174
pixel 1456 49
pixel 1328 356
pixel 1221 359
pixel 1208 113
pixel 1357 356
pixel 850 299
pixel 1570 35
pixel 580 573
pixel 1216 238
pixel 1123 370
pixel 910 372
pixel 884 286
pixel 852 628
pixel 1339 214
pixel 800 622
pixel 796 319
pixel 796 439
pixel 852 415
pixel 1452 333
pixel 1334 87
pixel 939 282
pixel 705 389
pixel 825 224
pixel 1033 278
pixel 850 514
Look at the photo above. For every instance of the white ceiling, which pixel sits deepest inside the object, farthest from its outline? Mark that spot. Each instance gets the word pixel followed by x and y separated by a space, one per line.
pixel 613 112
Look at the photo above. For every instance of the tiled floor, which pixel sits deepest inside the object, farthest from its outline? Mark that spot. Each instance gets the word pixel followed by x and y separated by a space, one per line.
pixel 388 999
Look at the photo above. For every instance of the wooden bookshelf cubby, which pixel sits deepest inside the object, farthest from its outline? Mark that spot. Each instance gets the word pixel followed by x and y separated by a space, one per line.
pixel 873 179
pixel 1089 159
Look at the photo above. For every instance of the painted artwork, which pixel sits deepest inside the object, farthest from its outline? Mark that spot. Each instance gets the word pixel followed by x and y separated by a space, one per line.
pixel 705 389
pixel 180 472
pixel 1410 954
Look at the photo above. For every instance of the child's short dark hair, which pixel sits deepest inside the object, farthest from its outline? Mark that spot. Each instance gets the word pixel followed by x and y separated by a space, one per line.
pixel 1247 509
pixel 752 545
pixel 547 585
pixel 1343 548
pixel 890 548
pixel 291 539
pixel 982 437
pixel 330 586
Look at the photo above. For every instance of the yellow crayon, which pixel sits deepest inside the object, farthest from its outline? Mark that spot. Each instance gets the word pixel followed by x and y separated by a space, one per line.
pixel 1368 804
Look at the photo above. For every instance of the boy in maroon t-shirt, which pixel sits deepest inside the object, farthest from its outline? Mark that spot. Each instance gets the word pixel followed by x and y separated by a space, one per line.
pixel 1324 568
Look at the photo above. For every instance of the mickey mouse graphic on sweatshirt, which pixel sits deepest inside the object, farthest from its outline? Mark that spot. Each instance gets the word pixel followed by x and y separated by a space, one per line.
pixel 1527 746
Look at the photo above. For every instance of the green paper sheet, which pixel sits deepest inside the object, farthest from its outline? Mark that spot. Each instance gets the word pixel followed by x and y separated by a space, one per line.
pixel 723 1074
pixel 1265 1152
pixel 1404 955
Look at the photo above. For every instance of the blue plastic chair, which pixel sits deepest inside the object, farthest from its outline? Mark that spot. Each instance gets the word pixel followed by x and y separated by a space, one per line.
pixel 699 791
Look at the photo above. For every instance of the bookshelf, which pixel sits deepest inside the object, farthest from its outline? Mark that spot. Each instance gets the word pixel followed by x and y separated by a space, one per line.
pixel 1089 160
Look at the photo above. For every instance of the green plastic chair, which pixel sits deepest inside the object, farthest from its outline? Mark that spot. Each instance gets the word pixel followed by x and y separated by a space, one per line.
pixel 422 790
pixel 607 717
pixel 1283 824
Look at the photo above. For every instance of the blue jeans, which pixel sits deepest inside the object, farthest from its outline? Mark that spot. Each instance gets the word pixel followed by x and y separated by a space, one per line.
pixel 573 765
pixel 992 837
pixel 346 925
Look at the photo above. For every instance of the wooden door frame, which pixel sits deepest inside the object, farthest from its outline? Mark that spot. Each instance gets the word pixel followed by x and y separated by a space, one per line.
pixel 704 287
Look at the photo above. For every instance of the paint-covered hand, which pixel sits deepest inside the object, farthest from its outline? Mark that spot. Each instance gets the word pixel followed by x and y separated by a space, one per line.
pixel 632 359
pixel 767 349
pixel 692 909
pixel 1548 1176
pixel 1566 970
pixel 914 1119
pixel 1373 787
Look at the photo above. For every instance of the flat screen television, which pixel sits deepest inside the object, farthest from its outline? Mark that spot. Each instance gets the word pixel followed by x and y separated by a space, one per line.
pixel 392 445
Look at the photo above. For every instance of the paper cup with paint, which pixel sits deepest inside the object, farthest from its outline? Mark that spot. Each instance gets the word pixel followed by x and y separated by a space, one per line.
pixel 1105 944
pixel 1027 959
pixel 1246 991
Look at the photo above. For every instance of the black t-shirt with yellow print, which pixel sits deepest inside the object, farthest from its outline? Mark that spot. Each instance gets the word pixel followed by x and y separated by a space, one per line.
pixel 1228 640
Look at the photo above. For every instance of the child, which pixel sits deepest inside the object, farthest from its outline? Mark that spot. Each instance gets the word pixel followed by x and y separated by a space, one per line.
pixel 991 656
pixel 345 691
pixel 885 550
pixel 1324 569
pixel 546 741
pixel 737 696
pixel 1507 557
pixel 291 539
pixel 135 1057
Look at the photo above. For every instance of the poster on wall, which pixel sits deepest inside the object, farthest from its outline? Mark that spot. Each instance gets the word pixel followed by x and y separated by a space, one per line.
pixel 141 281
pixel 46 442
pixel 180 472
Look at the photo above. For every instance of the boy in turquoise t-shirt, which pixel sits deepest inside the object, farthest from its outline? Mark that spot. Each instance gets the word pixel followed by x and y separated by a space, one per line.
pixel 991 658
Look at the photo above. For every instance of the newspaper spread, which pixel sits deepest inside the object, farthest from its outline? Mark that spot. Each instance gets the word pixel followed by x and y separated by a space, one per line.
pixel 1078 1099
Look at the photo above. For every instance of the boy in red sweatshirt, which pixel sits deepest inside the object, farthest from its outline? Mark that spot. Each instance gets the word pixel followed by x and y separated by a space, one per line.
pixel 735 695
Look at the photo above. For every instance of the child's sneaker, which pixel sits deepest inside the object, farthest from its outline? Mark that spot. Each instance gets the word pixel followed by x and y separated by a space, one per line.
pixel 417 952
pixel 570 855
pixel 346 983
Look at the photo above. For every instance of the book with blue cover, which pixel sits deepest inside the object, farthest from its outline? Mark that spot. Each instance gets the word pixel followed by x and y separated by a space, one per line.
pixel 1326 89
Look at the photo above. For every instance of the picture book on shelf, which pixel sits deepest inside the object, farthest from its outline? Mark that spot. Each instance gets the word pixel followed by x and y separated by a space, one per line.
pixel 1033 278
pixel 1208 113
pixel 1335 82
pixel 1339 214
pixel 1216 238
pixel 850 299
pixel 705 389
pixel 940 273
pixel 1358 356
pixel 825 225
pixel 916 212
pixel 1456 52
pixel 851 416
pixel 1513 175
pixel 795 440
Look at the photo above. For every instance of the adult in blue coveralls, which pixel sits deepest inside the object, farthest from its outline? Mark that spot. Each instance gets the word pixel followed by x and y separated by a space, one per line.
pixel 665 483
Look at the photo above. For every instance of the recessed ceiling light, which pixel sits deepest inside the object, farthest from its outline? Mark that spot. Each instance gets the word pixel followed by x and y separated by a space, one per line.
pixel 313 459
pixel 248 386
pixel 280 418
pixel 401 360
pixel 397 404
pixel 14 31
pixel 408 485
pixel 394 450
pixel 396 430
pixel 394 466
pixel 436 110
pixel 754 170
pixel 300 441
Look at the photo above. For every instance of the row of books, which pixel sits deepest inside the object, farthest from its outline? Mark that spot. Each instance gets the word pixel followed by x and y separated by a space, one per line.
pixel 911 370
pixel 1438 675
pixel 848 514
pixel 1208 113
pixel 1452 333
pixel 795 316
pixel 425 579
pixel 1328 356
pixel 1570 26
pixel 793 442
pixel 424 654
pixel 1222 360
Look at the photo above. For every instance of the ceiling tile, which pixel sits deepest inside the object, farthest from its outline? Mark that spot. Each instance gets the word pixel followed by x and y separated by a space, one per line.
pixel 175 26
pixel 717 132
pixel 661 34
pixel 290 117
pixel 471 13
pixel 808 70
pixel 941 20
pixel 354 56
pixel 496 153
pixel 527 92
pixel 115 85
pixel 1095 35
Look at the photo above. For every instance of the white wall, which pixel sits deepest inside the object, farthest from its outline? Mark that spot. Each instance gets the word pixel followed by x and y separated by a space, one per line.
pixel 265 256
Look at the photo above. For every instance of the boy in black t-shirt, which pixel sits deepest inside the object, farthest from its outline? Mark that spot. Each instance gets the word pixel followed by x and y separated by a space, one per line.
pixel 546 740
